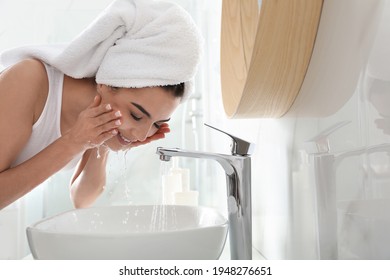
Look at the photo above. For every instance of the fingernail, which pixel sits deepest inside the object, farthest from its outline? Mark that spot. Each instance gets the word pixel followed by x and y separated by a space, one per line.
pixel 118 122
pixel 118 114
pixel 114 132
pixel 108 107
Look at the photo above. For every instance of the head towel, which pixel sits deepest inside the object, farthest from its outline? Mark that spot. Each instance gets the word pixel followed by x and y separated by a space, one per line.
pixel 131 44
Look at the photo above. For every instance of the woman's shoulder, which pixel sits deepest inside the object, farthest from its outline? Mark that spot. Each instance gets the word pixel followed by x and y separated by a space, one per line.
pixel 32 70
pixel 27 75
pixel 24 85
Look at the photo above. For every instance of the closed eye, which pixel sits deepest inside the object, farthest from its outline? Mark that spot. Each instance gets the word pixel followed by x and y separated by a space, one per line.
pixel 135 117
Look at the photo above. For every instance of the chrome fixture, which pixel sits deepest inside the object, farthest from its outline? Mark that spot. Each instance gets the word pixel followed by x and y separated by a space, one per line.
pixel 237 167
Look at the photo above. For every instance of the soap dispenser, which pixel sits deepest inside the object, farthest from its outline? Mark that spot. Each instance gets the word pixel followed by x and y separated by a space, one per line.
pixel 171 183
pixel 176 186
pixel 186 196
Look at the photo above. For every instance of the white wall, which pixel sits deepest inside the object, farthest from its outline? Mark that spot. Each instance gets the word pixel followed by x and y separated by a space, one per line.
pixel 285 178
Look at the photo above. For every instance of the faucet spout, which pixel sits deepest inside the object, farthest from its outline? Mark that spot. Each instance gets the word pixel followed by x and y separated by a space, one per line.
pixel 238 180
pixel 224 160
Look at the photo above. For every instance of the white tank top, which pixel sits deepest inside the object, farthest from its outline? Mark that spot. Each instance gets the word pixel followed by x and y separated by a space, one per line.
pixel 47 128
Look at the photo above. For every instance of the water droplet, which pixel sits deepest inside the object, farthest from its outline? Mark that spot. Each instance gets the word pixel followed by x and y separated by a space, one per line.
pixel 98 152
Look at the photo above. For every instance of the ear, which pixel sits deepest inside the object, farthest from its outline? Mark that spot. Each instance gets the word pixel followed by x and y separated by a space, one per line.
pixel 100 88
pixel 104 88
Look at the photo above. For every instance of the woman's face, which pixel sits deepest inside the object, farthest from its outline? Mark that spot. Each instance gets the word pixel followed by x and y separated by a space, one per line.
pixel 143 111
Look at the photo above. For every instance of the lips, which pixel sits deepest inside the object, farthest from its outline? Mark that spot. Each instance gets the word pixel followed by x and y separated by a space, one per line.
pixel 123 140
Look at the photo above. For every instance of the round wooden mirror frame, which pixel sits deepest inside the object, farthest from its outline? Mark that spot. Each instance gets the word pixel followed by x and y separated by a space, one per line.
pixel 265 56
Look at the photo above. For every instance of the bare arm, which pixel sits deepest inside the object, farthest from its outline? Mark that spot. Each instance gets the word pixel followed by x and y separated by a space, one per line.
pixel 20 89
pixel 17 181
pixel 89 179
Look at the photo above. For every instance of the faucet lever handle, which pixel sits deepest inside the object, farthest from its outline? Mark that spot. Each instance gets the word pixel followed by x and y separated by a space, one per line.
pixel 239 146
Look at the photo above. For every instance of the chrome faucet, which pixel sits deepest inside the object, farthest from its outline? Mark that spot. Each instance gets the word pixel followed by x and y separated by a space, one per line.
pixel 237 167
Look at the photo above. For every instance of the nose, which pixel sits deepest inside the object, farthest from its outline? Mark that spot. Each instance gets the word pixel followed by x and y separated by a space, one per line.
pixel 142 133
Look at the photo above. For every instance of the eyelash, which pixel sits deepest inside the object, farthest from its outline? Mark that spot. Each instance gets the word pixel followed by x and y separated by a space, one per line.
pixel 135 117
pixel 139 118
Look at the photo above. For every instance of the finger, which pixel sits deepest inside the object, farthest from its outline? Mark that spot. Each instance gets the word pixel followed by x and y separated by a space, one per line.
pixel 108 117
pixel 136 144
pixel 164 130
pixel 148 140
pixel 99 110
pixel 114 124
pixel 154 137
pixel 164 126
pixel 157 136
pixel 106 136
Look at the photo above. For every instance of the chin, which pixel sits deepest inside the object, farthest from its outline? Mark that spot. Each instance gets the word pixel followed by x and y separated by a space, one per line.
pixel 114 145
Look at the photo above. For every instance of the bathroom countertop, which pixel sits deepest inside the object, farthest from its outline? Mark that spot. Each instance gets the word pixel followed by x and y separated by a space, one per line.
pixel 224 256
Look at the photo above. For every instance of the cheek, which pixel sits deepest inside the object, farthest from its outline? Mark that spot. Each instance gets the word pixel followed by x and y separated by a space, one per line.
pixel 129 124
pixel 126 123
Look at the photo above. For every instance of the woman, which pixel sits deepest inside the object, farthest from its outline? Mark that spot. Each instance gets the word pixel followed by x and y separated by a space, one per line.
pixel 113 88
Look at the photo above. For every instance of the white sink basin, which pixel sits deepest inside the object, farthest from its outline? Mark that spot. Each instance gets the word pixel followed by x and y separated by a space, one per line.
pixel 130 232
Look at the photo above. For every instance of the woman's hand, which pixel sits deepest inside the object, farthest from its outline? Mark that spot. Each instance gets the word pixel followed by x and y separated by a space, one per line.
pixel 160 134
pixel 94 125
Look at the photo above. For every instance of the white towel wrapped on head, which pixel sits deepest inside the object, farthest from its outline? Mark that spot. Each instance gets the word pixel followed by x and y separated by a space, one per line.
pixel 132 44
